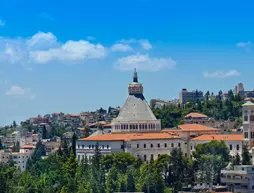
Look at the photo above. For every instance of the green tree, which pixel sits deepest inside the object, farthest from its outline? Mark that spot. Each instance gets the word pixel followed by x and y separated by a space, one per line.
pixel 74 139
pixel 236 160
pixel 246 157
pixel 112 181
pixel 97 157
pixel 44 132
pixel 130 181
pixel 14 124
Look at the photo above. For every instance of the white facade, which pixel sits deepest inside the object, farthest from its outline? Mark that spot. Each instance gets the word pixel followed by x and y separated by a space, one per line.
pixel 12 138
pixel 234 146
pixel 241 179
pixel 143 149
pixel 248 123
pixel 20 158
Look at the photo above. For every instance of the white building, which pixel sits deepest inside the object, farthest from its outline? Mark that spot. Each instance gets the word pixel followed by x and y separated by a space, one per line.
pixel 145 146
pixel 11 139
pixel 135 130
pixel 234 142
pixel 248 123
pixel 20 158
pixel 241 179
pixel 136 115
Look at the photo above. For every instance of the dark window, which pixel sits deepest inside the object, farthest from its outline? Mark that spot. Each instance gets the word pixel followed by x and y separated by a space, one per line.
pixel 89 146
pixel 151 145
pixel 159 145
pixel 121 146
pixel 172 145
pixel 245 118
pixel 151 156
pixel 78 146
pixel 191 147
pixel 102 146
pixel 246 135
pixel 144 145
pixel 83 146
pixel 137 145
pixel 107 146
pixel 159 155
pixel 179 144
pixel 92 146
pixel 230 147
pixel 144 157
pixel 252 118
pixel 237 147
pixel 165 145
pixel 185 154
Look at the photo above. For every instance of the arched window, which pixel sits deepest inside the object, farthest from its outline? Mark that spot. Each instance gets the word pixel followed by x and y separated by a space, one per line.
pixel 252 118
pixel 245 118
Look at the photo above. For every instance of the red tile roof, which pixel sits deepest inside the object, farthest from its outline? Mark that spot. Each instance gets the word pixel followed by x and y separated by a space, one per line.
pixel 195 127
pixel 27 147
pixel 131 136
pixel 196 115
pixel 235 137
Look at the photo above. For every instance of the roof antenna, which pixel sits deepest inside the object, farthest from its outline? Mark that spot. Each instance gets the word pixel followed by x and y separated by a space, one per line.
pixel 135 76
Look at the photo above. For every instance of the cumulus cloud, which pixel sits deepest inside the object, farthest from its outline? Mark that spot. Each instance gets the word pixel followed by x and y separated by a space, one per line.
pixel 2 23
pixel 145 44
pixel 221 74
pixel 18 91
pixel 144 63
pixel 121 48
pixel 45 48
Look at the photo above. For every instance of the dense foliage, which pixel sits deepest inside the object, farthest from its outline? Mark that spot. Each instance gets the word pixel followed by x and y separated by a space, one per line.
pixel 217 108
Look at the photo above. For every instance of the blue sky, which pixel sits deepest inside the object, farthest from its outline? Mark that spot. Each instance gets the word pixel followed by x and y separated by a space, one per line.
pixel 74 56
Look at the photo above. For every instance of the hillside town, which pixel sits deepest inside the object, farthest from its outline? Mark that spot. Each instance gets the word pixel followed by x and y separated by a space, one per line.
pixel 137 129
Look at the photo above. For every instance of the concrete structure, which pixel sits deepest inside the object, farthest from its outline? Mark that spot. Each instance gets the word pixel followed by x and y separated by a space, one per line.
pixel 11 139
pixel 145 146
pixel 241 179
pixel 20 158
pixel 196 118
pixel 135 115
pixel 234 142
pixel 190 96
pixel 248 123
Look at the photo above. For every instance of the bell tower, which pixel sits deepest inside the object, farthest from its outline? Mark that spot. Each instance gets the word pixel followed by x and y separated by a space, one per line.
pixel 135 87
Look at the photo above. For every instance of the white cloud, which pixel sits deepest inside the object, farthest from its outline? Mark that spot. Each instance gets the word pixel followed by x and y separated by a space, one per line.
pixel 17 91
pixel 144 63
pixel 243 44
pixel 143 42
pixel 71 51
pixel 2 23
pixel 121 48
pixel 45 48
pixel 221 74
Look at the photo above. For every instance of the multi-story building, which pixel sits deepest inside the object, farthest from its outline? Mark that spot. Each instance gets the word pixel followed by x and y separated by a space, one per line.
pixel 11 139
pixel 248 123
pixel 197 118
pixel 20 158
pixel 135 115
pixel 240 179
pixel 190 96
pixel 233 141
pixel 145 146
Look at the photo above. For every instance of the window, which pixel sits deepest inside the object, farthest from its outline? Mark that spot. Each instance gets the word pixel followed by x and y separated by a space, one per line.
pixel 246 135
pixel 185 154
pixel 144 157
pixel 92 146
pixel 252 118
pixel 121 146
pixel 245 118
pixel 89 146
pixel 172 145
pixel 107 146
pixel 102 146
pixel 137 145
pixel 151 156
pixel 165 145
pixel 78 146
pixel 179 144
pixel 159 155
pixel 237 147
pixel 78 157
pixel 191 147
pixel 151 145
pixel 159 145
pixel 230 147
pixel 83 146
pixel 144 145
